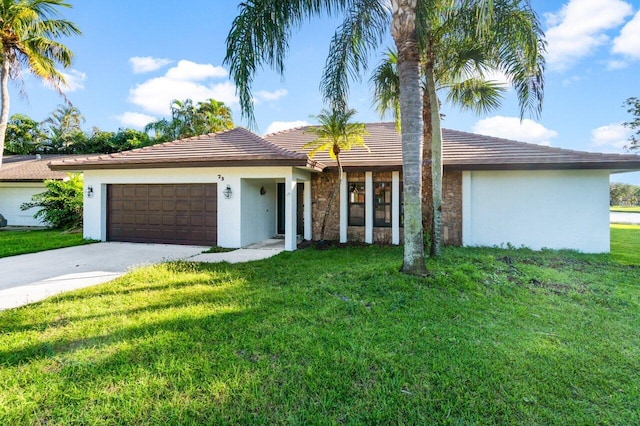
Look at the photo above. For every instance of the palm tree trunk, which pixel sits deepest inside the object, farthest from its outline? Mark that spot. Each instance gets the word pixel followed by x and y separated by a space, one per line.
pixel 436 161
pixel 427 178
pixel 403 29
pixel 4 107
pixel 331 198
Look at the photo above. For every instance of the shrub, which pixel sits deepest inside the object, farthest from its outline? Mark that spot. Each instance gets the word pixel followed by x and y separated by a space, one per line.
pixel 61 204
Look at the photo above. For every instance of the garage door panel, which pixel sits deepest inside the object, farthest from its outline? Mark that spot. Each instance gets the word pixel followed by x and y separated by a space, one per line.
pixel 183 191
pixel 155 219
pixel 182 220
pixel 182 206
pixel 159 213
pixel 128 192
pixel 168 191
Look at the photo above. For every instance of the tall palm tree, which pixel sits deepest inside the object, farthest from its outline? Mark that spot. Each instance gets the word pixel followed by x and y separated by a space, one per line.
pixel 28 29
pixel 335 134
pixel 189 120
pixel 214 116
pixel 457 57
pixel 260 36
pixel 64 126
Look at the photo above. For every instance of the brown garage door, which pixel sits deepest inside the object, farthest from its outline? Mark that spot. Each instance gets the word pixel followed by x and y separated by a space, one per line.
pixel 169 214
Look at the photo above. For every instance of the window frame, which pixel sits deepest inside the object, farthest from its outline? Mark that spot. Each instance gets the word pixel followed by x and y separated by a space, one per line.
pixel 388 187
pixel 361 191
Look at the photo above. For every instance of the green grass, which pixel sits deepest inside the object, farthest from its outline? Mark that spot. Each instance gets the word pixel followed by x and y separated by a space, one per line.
pixel 22 242
pixel 625 244
pixel 331 337
pixel 216 249
pixel 625 209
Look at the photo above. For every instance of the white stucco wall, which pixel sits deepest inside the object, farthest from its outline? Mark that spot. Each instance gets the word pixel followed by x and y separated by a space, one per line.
pixel 12 195
pixel 537 209
pixel 237 223
pixel 259 217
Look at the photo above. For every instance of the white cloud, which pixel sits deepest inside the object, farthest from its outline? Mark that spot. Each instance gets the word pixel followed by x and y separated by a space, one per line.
pixel 191 71
pixel 278 126
pixel 627 43
pixel 264 95
pixel 135 119
pixel 187 80
pixel 74 81
pixel 610 138
pixel 579 28
pixel 616 65
pixel 569 81
pixel 142 64
pixel 515 129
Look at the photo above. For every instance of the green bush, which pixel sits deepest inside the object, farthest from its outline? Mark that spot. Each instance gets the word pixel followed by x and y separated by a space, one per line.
pixel 61 204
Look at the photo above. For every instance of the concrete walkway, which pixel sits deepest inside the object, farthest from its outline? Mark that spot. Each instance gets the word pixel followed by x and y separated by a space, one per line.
pixel 32 277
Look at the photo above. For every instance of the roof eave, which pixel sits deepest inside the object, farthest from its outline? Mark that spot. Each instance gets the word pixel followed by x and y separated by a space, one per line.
pixel 621 166
pixel 301 162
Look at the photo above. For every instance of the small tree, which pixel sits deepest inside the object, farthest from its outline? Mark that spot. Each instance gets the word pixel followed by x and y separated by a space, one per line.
pixel 334 135
pixel 633 107
pixel 61 204
pixel 24 135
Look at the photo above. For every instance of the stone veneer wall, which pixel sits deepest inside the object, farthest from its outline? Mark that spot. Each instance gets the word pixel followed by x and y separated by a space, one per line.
pixel 321 186
pixel 452 208
pixel 323 183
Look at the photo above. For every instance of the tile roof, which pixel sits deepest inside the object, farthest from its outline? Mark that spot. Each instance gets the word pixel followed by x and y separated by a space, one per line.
pixel 460 151
pixel 240 147
pixel 28 168
pixel 236 147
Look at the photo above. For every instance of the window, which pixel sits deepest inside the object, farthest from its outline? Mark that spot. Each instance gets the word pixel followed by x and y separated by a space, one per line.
pixel 356 203
pixel 382 204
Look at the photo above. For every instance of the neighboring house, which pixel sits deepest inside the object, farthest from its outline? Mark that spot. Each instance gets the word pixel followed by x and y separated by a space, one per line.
pixel 235 188
pixel 21 177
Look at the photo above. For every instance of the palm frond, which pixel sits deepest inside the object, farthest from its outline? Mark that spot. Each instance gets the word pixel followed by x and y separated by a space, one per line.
pixel 260 36
pixel 476 94
pixel 386 86
pixel 362 30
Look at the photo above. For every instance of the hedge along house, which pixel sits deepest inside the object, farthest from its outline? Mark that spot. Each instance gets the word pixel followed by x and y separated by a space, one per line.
pixel 22 177
pixel 235 188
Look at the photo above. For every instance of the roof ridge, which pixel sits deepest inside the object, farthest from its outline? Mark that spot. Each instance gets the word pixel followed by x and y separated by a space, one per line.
pixel 270 144
pixel 535 145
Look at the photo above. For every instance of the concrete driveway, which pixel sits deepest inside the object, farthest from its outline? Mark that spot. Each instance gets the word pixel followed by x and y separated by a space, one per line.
pixel 31 277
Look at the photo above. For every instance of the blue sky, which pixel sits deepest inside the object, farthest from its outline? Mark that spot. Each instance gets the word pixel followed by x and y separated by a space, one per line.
pixel 134 57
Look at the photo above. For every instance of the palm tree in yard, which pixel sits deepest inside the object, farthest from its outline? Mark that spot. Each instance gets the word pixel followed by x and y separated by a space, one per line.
pixel 189 120
pixel 335 134
pixel 459 58
pixel 260 34
pixel 28 33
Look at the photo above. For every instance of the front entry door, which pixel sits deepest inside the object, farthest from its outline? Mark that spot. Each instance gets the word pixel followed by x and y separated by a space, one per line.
pixel 299 208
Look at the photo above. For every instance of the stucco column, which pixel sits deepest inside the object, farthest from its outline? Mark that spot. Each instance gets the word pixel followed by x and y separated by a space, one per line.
pixel 344 207
pixel 290 203
pixel 308 234
pixel 395 208
pixel 368 208
pixel 466 208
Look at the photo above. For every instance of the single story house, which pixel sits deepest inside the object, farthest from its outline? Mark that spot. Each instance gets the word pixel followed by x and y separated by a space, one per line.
pixel 21 177
pixel 234 188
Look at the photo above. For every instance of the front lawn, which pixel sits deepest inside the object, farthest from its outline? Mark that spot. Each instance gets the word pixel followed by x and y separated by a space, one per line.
pixel 625 243
pixel 625 209
pixel 337 336
pixel 22 242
